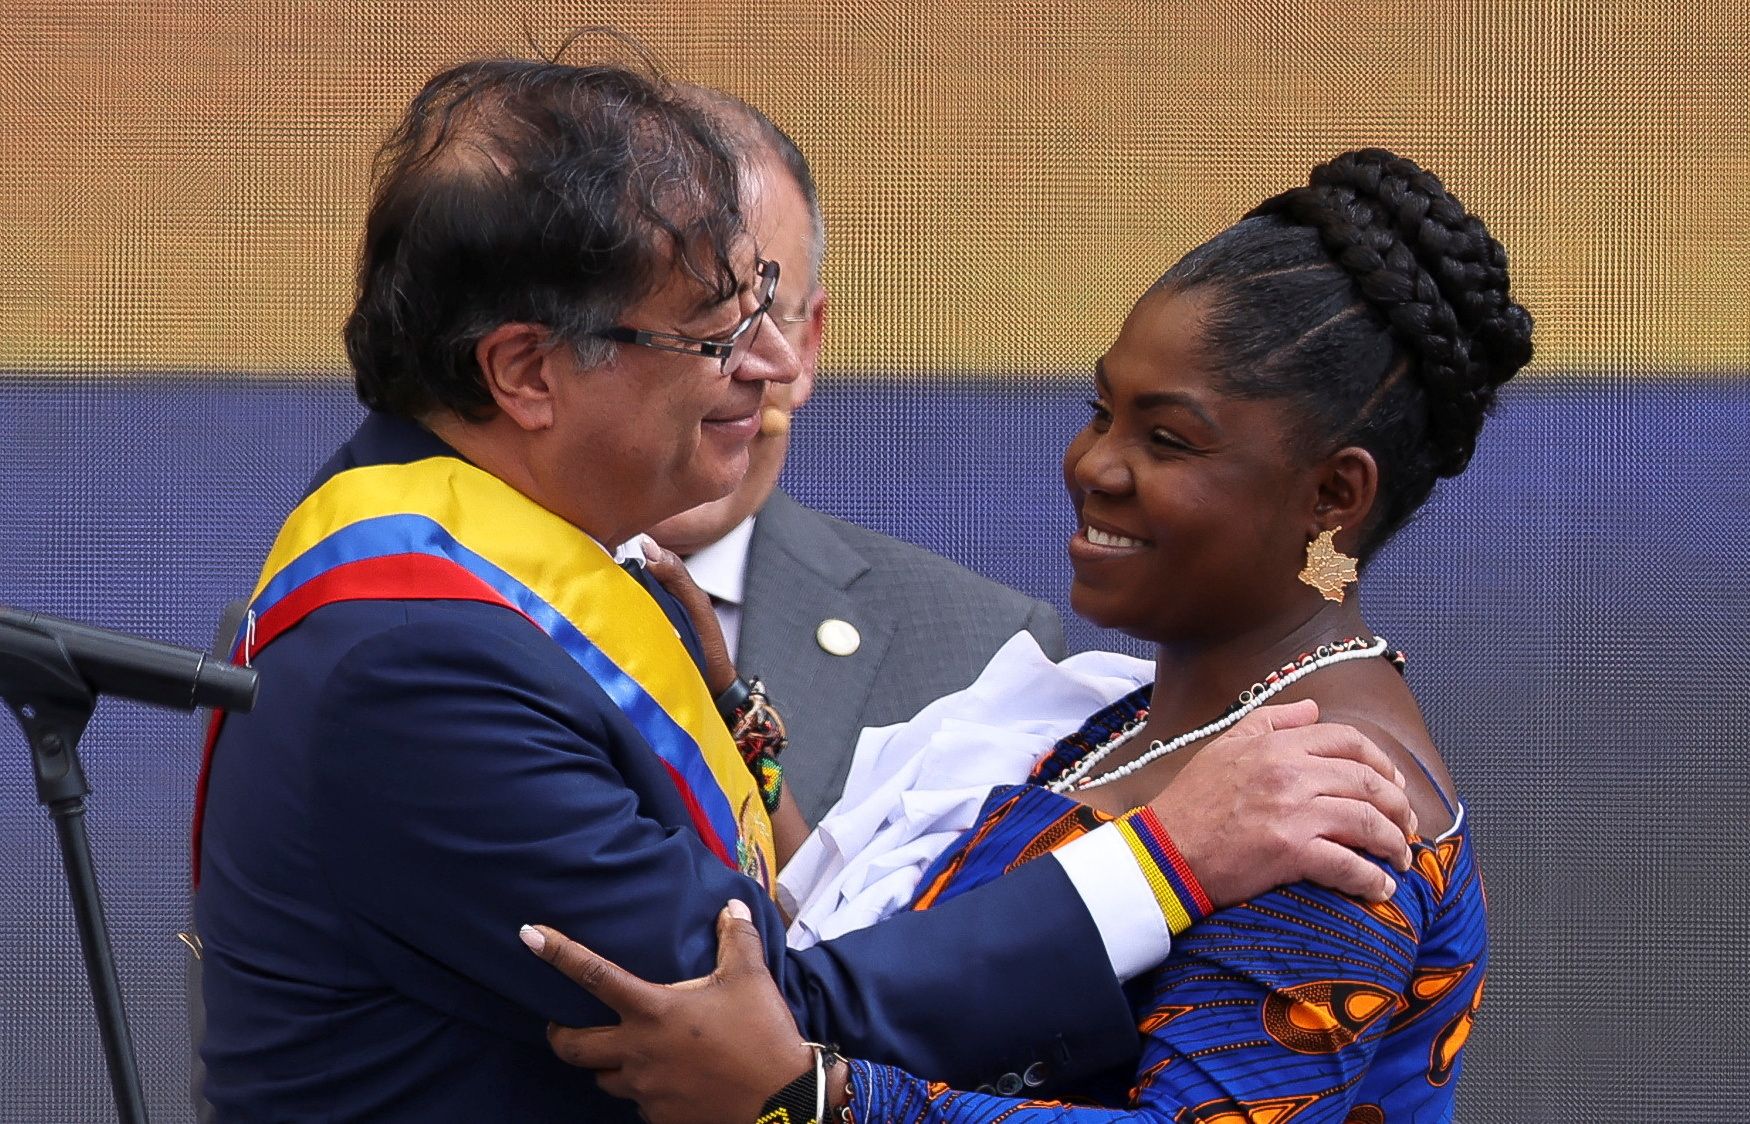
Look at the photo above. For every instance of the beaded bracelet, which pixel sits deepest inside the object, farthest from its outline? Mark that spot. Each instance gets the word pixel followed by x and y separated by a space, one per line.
pixel 845 1114
pixel 1177 891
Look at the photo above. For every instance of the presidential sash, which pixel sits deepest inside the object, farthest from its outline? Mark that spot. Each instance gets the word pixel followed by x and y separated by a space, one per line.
pixel 441 529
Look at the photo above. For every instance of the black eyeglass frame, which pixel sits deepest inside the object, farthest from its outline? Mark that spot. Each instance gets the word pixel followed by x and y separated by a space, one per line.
pixel 766 280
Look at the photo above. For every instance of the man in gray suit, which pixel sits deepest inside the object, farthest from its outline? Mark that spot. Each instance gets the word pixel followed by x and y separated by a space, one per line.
pixel 848 628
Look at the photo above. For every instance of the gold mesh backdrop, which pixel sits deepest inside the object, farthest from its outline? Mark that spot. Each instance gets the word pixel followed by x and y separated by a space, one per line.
pixel 184 181
pixel 181 188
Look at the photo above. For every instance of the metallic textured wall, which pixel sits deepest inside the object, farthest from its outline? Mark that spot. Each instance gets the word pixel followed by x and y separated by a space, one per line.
pixel 180 190
pixel 184 182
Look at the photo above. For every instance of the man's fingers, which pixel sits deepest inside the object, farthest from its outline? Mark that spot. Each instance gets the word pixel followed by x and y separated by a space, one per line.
pixel 1358 824
pixel 658 555
pixel 668 569
pixel 739 947
pixel 591 1047
pixel 599 976
pixel 1336 740
pixel 1281 716
pixel 671 571
pixel 1331 864
pixel 619 1083
pixel 1355 781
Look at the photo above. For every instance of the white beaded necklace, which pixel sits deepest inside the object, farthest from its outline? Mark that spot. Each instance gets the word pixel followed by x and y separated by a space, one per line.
pixel 1255 696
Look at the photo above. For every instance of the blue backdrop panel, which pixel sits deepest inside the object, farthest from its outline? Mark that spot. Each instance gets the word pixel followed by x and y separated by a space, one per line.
pixel 1575 610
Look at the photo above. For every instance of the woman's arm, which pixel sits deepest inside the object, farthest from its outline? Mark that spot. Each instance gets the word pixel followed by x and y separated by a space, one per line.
pixel 1275 1004
pixel 1271 1009
pixel 789 829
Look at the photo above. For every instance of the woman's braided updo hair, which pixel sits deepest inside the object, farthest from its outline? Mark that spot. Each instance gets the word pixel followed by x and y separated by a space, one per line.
pixel 1374 302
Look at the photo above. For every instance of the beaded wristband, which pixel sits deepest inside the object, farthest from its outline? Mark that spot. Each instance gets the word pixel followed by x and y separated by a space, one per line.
pixel 768 777
pixel 848 1115
pixel 1182 900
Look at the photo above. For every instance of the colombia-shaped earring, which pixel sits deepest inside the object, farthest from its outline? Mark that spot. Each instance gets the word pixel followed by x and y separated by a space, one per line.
pixel 1328 569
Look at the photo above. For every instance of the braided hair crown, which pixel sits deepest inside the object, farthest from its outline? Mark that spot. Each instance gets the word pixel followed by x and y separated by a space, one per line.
pixel 1431 269
pixel 1377 307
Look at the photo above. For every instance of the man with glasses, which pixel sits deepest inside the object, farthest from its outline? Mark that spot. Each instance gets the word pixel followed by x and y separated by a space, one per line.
pixel 472 717
pixel 846 627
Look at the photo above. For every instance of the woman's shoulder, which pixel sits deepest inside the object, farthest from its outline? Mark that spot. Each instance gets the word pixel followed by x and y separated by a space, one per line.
pixel 1373 698
pixel 1429 786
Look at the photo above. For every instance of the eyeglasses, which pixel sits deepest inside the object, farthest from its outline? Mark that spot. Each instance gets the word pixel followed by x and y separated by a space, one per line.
pixel 734 345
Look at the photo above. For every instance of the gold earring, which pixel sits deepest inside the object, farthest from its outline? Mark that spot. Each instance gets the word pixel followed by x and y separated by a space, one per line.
pixel 1328 569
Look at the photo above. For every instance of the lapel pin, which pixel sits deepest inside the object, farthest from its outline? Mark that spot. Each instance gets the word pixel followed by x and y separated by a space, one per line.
pixel 838 638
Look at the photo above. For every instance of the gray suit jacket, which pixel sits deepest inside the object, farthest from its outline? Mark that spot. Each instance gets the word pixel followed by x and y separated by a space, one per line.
pixel 926 627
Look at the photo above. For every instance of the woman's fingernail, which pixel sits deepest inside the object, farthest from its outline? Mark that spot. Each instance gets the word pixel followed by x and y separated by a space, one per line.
pixel 1390 889
pixel 738 910
pixel 533 937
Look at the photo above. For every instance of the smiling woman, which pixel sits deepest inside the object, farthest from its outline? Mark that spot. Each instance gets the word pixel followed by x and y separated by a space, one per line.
pixel 1271 411
pixel 1182 491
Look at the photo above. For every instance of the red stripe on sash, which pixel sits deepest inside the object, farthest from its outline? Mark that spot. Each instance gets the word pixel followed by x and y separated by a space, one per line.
pixel 391 577
pixel 386 578
pixel 701 822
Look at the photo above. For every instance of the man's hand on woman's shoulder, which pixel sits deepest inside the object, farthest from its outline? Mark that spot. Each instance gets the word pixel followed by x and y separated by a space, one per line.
pixel 1283 798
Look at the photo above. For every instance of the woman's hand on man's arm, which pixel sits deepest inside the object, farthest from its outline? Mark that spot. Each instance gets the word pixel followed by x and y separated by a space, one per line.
pixel 704 1051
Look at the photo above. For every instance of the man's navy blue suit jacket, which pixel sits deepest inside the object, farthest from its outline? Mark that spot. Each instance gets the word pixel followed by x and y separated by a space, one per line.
pixel 421 778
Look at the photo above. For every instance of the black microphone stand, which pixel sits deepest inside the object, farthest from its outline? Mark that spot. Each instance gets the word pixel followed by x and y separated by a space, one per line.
pixel 53 704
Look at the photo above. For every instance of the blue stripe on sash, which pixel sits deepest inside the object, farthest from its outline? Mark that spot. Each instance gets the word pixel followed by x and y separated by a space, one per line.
pixel 387 535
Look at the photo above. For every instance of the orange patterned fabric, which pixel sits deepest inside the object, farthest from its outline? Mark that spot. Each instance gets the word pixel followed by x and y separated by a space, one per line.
pixel 1302 1006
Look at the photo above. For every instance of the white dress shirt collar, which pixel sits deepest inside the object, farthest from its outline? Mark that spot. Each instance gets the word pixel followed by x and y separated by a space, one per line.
pixel 721 571
pixel 721 568
pixel 633 549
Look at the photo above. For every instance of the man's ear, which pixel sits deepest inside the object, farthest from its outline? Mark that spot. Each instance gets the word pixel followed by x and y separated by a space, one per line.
pixel 808 349
pixel 1348 486
pixel 517 363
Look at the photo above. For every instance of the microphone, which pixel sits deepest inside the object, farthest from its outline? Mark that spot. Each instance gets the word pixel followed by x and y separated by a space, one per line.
pixel 114 663
pixel 774 421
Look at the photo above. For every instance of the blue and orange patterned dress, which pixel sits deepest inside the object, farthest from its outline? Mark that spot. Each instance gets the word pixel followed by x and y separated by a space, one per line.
pixel 1302 1006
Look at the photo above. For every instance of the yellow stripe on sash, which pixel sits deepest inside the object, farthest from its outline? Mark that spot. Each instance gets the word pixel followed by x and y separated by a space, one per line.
pixel 565 568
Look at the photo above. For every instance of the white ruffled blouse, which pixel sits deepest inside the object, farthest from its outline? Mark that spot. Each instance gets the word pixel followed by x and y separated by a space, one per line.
pixel 915 787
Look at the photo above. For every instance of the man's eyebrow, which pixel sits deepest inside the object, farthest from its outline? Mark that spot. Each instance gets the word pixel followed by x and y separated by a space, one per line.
pixel 708 310
pixel 709 307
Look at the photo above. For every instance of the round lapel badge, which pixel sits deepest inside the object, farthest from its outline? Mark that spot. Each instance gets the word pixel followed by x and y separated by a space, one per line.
pixel 838 638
